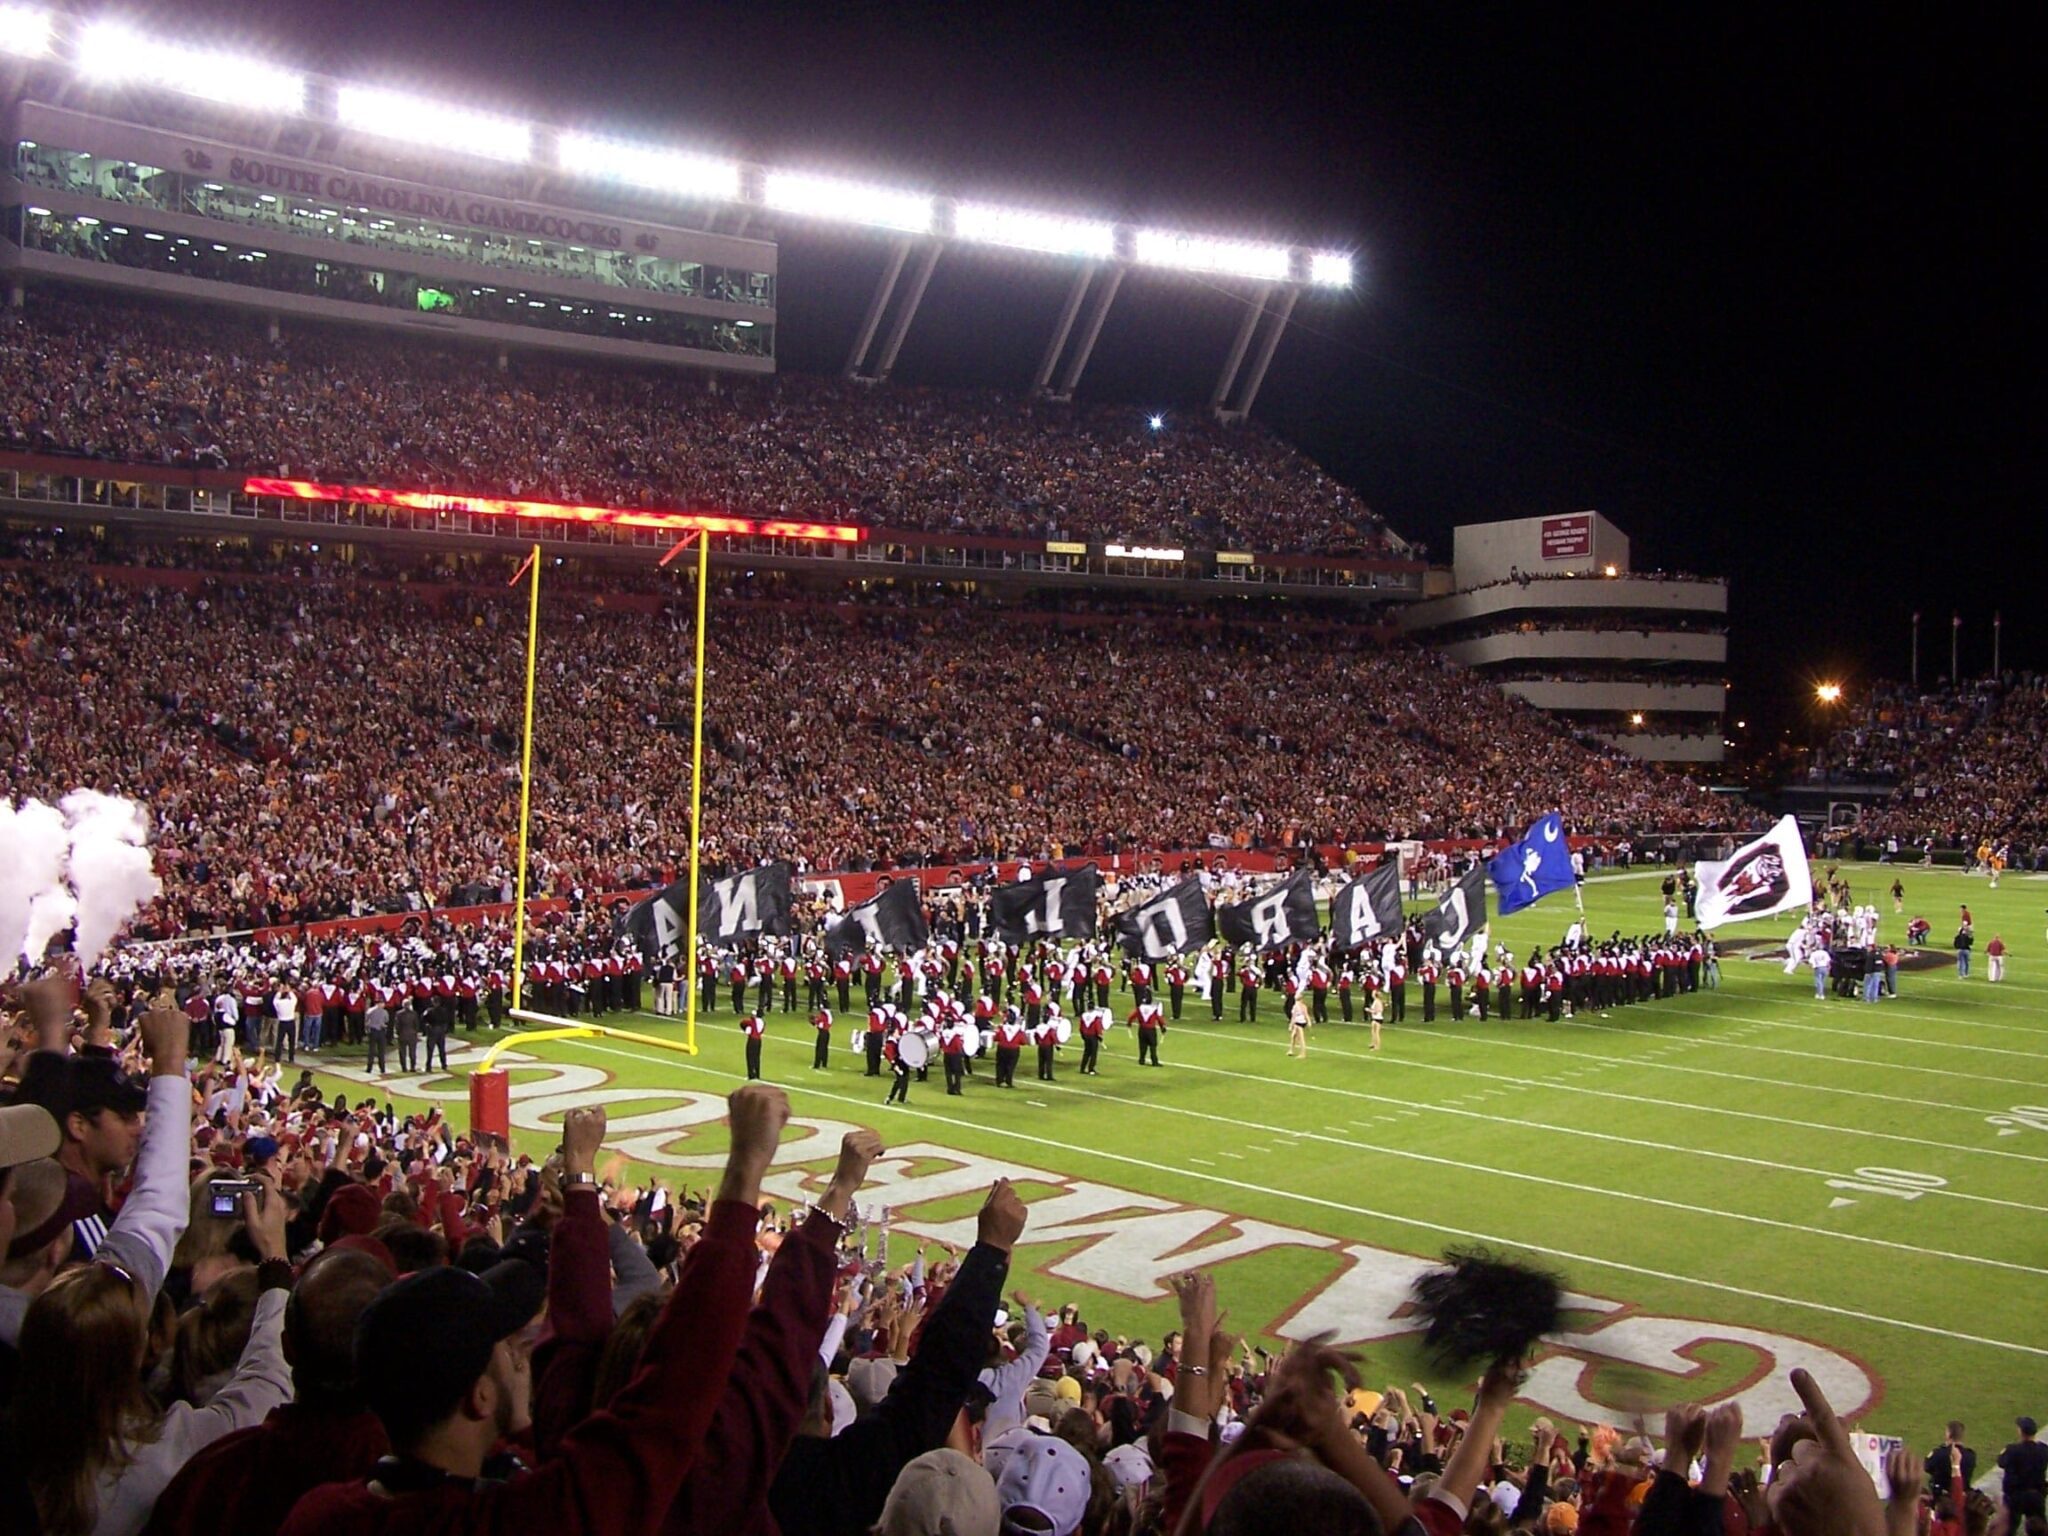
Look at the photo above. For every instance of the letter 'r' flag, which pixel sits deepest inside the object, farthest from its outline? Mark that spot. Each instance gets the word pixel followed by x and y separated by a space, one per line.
pixel 1175 922
pixel 1539 865
pixel 1284 915
pixel 1060 904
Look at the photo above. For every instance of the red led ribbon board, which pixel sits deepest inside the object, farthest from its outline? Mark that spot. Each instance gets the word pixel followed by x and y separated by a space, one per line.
pixel 494 506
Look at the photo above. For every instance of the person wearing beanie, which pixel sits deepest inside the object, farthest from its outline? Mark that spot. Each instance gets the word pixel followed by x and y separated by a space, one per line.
pixel 941 1493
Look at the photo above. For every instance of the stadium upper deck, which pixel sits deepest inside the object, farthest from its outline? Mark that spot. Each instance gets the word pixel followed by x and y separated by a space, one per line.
pixel 149 163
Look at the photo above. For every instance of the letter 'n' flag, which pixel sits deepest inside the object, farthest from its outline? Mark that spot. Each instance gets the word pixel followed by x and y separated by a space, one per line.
pixel 1284 915
pixel 1175 922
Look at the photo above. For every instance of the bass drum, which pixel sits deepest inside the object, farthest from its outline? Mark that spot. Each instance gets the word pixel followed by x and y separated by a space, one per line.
pixel 914 1051
pixel 1063 1028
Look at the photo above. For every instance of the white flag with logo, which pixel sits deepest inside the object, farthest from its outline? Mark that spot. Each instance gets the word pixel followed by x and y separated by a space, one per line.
pixel 1767 876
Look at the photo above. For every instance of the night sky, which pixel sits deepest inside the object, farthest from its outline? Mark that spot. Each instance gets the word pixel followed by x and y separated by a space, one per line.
pixel 1755 290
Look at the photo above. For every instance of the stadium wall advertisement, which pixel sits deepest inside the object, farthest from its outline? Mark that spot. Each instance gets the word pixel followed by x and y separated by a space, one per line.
pixel 1126 1242
pixel 1568 538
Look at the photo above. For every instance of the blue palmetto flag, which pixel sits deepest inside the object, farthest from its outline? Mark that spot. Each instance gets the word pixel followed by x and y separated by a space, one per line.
pixel 1538 866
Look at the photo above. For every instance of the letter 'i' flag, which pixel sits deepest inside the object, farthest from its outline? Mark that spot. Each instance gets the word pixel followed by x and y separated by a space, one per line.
pixel 1766 876
pixel 1284 915
pixel 893 918
pixel 1367 909
pixel 1060 904
pixel 1175 922
pixel 1538 866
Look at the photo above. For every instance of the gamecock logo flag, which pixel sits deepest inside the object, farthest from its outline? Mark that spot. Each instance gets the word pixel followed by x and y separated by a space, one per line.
pixel 1461 913
pixel 1175 922
pixel 1367 909
pixel 1284 915
pixel 730 911
pixel 1060 904
pixel 892 918
pixel 1766 876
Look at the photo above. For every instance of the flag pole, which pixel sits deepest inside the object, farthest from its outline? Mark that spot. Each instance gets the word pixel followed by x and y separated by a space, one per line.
pixel 525 783
pixel 696 793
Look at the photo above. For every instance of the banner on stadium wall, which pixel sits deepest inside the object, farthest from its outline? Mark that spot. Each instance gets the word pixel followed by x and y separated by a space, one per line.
pixel 1567 538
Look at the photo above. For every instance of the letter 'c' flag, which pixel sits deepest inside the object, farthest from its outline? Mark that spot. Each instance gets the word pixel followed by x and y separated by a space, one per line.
pixel 1539 865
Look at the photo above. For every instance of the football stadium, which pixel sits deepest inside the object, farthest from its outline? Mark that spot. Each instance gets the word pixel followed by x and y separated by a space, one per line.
pixel 611 932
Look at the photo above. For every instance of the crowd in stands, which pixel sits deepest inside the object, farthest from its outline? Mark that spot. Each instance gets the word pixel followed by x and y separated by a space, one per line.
pixel 1984 778
pixel 147 384
pixel 1895 733
pixel 314 743
pixel 261 1308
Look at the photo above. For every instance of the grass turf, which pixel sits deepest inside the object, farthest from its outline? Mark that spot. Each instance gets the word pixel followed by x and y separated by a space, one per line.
pixel 1725 1174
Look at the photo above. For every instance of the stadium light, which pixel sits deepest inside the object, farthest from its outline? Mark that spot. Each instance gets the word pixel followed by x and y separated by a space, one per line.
pixel 112 54
pixel 640 165
pixel 1025 230
pixel 395 115
pixel 1329 269
pixel 497 506
pixel 1156 422
pixel 1200 253
pixel 24 31
pixel 851 202
pixel 1828 693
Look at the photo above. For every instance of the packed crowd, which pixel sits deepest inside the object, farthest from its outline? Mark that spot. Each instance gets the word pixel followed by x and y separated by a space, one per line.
pixel 1970 768
pixel 313 743
pixel 228 1305
pixel 149 384
pixel 1894 733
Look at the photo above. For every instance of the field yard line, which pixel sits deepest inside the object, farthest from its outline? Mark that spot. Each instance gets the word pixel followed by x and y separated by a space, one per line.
pixel 1557 1085
pixel 1749 1078
pixel 1464 1165
pixel 1414 1223
pixel 1897 1009
pixel 1864 1034
pixel 1565 1130
pixel 1914 1067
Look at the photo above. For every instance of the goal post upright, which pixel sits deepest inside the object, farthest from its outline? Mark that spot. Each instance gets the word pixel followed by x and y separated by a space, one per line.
pixel 690 987
pixel 525 784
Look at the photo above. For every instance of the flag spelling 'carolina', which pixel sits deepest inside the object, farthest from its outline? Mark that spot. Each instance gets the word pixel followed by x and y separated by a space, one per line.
pixel 1537 866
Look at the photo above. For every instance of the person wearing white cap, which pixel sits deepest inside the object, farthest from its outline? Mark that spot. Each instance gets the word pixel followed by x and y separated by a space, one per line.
pixel 1045 1488
pixel 941 1493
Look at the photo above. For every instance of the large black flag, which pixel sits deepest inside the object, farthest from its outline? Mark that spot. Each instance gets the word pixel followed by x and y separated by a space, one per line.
pixel 1060 904
pixel 1175 922
pixel 1460 914
pixel 1367 909
pixel 730 911
pixel 1284 915
pixel 892 918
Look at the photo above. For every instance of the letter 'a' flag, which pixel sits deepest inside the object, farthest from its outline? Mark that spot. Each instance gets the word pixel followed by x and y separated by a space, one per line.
pixel 1538 866
pixel 893 918
pixel 1461 913
pixel 1060 904
pixel 1367 909
pixel 1175 922
pixel 1767 876
pixel 1284 915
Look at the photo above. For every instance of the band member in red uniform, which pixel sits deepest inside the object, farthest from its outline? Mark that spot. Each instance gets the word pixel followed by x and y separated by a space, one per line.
pixel 1176 987
pixel 1048 1037
pixel 1429 972
pixel 1151 1023
pixel 954 1044
pixel 1248 980
pixel 1482 987
pixel 821 1053
pixel 1010 1038
pixel 878 1027
pixel 755 1027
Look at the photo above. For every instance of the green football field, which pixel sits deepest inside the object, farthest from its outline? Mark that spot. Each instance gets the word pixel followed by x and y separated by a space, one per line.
pixel 1730 1184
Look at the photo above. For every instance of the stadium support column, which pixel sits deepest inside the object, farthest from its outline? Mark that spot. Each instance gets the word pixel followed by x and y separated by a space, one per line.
pixel 913 296
pixel 1098 311
pixel 1041 381
pixel 1275 319
pixel 872 320
pixel 1235 360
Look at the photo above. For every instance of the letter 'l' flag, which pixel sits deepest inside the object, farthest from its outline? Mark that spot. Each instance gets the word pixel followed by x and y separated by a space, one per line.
pixel 1539 865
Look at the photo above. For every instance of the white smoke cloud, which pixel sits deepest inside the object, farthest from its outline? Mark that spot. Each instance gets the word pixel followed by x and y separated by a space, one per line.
pixel 87 863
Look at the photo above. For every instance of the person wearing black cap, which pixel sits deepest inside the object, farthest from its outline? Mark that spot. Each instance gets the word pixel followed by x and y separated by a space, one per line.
pixel 2025 1465
pixel 441 1360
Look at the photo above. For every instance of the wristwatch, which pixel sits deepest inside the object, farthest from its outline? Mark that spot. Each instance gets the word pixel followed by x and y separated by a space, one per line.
pixel 579 1179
